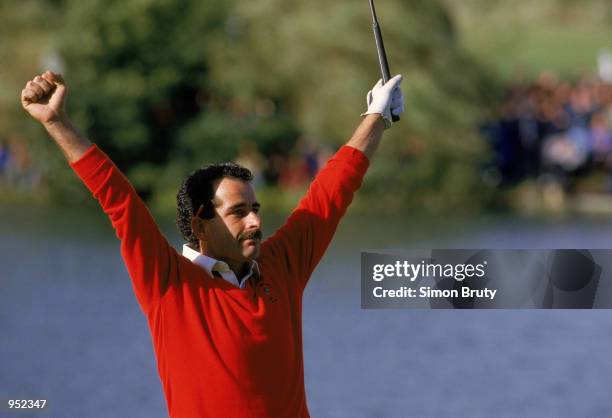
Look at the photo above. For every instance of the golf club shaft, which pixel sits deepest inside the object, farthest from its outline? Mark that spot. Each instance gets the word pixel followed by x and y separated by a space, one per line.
pixel 380 48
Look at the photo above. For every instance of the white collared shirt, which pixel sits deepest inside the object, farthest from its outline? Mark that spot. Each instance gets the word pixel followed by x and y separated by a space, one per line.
pixel 210 264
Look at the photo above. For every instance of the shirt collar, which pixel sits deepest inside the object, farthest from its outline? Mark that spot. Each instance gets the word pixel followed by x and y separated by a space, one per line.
pixel 211 264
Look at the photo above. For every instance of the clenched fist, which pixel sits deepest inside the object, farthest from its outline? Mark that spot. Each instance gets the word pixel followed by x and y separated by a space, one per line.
pixel 43 97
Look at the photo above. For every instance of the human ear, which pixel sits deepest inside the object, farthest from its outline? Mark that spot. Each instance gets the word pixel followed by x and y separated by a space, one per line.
pixel 198 226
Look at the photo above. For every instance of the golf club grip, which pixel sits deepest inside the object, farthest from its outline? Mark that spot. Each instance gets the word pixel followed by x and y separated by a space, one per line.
pixel 382 59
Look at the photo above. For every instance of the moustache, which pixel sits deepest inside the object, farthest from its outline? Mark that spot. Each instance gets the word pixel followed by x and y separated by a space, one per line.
pixel 250 235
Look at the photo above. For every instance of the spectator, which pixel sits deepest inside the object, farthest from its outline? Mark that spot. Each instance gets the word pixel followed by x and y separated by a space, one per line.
pixel 249 157
pixel 5 157
pixel 550 126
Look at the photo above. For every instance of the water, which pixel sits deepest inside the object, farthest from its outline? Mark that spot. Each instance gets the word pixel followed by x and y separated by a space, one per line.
pixel 73 334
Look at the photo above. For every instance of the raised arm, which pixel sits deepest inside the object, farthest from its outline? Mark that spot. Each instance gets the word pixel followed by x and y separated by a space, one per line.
pixel 303 239
pixel 43 98
pixel 150 259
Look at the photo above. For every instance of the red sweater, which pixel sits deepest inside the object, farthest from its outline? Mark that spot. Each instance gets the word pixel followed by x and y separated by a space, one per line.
pixel 221 351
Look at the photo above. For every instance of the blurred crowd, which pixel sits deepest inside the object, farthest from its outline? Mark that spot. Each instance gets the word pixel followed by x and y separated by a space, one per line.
pixel 17 171
pixel 287 170
pixel 291 169
pixel 553 128
pixel 548 127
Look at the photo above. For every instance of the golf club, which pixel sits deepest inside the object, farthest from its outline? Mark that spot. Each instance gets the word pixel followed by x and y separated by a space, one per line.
pixel 380 48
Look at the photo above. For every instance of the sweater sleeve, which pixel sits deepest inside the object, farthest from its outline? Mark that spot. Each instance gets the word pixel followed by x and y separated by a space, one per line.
pixel 303 239
pixel 151 261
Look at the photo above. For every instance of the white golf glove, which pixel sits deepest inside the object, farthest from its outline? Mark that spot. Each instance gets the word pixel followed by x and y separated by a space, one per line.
pixel 386 99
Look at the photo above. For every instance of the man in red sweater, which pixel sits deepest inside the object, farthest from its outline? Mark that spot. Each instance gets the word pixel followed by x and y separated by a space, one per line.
pixel 225 315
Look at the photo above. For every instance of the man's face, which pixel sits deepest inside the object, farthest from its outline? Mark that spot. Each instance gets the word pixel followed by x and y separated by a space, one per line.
pixel 234 234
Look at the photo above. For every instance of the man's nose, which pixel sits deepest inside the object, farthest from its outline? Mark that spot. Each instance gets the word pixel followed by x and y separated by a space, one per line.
pixel 253 220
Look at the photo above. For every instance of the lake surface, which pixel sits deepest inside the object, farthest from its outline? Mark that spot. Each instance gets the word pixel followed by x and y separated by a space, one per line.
pixel 73 334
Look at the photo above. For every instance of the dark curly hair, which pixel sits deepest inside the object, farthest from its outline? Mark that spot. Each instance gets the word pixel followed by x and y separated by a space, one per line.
pixel 197 190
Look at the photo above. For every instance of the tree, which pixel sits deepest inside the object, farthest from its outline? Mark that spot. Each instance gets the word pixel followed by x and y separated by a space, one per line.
pixel 177 84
